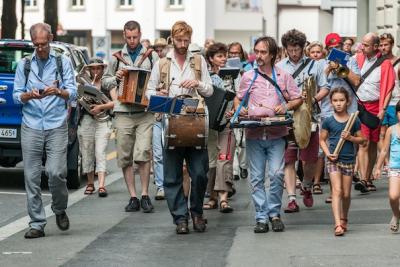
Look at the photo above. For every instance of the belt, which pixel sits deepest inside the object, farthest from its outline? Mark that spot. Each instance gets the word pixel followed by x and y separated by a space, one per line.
pixel 128 113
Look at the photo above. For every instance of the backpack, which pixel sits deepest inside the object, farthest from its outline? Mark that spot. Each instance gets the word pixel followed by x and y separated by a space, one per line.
pixel 60 70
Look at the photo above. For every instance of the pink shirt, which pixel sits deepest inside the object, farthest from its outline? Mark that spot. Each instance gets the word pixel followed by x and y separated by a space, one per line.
pixel 263 95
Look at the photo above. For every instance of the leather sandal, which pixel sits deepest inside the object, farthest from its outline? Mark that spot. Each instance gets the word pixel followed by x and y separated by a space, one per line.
pixel 210 205
pixel 394 225
pixel 339 230
pixel 89 189
pixel 371 186
pixel 344 223
pixel 317 190
pixel 102 192
pixel 225 208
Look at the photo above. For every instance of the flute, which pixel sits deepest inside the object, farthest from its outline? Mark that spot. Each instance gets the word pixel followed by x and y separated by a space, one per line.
pixel 348 127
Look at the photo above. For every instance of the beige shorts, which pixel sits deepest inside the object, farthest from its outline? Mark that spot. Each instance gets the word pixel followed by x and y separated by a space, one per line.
pixel 133 135
pixel 93 140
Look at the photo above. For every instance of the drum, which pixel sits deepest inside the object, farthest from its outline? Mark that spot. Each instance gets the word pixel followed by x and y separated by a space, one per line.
pixel 185 130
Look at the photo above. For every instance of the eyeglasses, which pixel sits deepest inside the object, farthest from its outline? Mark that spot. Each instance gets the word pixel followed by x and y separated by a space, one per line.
pixel 41 45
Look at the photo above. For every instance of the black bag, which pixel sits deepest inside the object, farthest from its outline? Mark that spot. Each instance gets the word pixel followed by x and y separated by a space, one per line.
pixel 367 117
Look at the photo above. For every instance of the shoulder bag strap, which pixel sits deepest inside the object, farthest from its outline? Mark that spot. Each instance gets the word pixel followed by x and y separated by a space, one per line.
pixel 376 64
pixel 244 100
pixel 278 89
pixel 301 68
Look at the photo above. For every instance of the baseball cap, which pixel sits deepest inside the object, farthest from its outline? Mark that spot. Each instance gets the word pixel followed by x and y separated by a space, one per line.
pixel 332 39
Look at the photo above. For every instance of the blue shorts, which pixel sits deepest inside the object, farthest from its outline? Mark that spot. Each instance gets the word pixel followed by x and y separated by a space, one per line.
pixel 390 117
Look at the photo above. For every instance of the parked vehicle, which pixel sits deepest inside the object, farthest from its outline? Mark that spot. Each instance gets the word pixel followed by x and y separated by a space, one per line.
pixel 11 52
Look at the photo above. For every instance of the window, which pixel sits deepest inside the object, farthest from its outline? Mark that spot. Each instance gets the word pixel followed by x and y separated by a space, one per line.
pixel 10 56
pixel 31 3
pixel 78 4
pixel 125 4
pixel 175 4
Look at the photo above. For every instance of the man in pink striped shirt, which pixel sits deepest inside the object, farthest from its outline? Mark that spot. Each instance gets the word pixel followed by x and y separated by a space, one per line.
pixel 267 144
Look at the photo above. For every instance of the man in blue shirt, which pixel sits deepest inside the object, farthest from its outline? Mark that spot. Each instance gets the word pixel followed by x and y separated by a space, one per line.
pixel 297 63
pixel 44 95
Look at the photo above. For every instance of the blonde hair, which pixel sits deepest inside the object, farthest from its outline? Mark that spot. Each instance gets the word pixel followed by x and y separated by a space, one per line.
pixel 181 28
pixel 314 44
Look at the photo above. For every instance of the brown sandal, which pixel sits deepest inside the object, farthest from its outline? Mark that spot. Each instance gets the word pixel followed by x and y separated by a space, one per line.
pixel 344 225
pixel 339 230
pixel 225 208
pixel 102 192
pixel 210 205
pixel 317 190
pixel 89 189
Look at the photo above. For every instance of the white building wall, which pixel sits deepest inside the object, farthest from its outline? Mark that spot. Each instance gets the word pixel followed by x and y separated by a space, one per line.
pixel 325 25
pixel 345 21
pixel 302 19
pixel 193 12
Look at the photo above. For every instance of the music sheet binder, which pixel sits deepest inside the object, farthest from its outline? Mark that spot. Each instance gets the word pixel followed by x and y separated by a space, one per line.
pixel 173 105
pixel 339 56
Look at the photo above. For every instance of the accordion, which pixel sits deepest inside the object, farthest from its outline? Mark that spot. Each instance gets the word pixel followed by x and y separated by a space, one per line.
pixel 247 122
pixel 133 85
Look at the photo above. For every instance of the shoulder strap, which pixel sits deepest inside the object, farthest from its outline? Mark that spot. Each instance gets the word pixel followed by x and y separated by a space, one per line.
pixel 195 65
pixel 273 83
pixel 301 68
pixel 396 62
pixel 27 69
pixel 60 68
pixel 376 64
pixel 165 66
pixel 118 56
pixel 147 54
pixel 244 100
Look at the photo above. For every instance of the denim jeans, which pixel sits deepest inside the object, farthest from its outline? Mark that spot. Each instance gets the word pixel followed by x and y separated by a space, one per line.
pixel 197 166
pixel 158 155
pixel 34 143
pixel 259 152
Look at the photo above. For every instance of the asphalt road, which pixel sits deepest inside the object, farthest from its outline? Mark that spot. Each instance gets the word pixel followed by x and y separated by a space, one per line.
pixel 102 234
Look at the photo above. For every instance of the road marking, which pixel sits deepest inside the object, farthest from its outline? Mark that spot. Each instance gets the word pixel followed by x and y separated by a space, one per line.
pixel 17 252
pixel 22 223
pixel 20 193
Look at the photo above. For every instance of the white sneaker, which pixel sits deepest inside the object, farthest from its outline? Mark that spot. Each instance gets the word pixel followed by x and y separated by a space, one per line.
pixel 160 194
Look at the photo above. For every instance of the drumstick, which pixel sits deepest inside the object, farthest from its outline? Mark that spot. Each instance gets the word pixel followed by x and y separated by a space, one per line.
pixel 348 127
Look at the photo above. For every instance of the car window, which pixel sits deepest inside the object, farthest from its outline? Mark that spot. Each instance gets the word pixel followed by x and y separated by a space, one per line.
pixel 10 56
pixel 80 60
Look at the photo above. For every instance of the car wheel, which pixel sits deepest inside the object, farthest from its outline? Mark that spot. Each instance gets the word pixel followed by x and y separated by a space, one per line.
pixel 9 162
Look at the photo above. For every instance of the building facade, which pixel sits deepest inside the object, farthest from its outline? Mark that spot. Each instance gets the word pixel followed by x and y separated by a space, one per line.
pixel 98 24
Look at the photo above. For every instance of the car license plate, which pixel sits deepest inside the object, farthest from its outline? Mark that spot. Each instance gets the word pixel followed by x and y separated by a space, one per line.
pixel 8 133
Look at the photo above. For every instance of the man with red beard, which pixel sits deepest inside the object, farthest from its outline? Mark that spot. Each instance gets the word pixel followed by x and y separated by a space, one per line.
pixel 188 75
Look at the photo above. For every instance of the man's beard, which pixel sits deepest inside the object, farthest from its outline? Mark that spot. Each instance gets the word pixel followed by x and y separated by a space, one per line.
pixel 260 62
pixel 181 51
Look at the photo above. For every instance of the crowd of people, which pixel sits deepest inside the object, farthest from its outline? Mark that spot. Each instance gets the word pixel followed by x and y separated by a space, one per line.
pixel 270 84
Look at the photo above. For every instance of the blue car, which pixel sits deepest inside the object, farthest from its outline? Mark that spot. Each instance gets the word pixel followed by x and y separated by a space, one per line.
pixel 11 52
